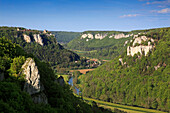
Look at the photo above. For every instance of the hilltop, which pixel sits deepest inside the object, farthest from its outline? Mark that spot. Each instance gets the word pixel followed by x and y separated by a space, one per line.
pixel 138 77
pixel 29 85
pixel 44 46
pixel 101 44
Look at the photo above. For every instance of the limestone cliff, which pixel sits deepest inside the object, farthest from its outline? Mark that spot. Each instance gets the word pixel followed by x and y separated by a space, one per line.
pixel 118 36
pixel 33 86
pixel 100 36
pixel 103 35
pixel 96 36
pixel 38 39
pixel 140 47
pixel 87 36
pixel 27 38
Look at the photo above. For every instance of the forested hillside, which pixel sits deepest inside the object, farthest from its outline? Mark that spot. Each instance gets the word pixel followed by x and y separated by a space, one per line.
pixel 137 80
pixel 44 46
pixel 64 37
pixel 103 42
pixel 13 98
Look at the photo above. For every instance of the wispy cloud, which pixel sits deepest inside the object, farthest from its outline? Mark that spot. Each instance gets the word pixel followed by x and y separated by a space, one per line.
pixel 129 15
pixel 163 11
pixel 161 3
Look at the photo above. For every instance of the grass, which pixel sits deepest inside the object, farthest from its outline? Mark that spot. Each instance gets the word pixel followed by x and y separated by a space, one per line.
pixel 129 109
pixel 79 51
pixel 83 71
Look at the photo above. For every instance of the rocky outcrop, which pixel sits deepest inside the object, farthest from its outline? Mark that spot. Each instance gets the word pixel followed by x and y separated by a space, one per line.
pixel 87 36
pixel 38 39
pixel 121 35
pixel 121 61
pixel 134 50
pixel 140 48
pixel 33 85
pixel 125 42
pixel 27 38
pixel 100 36
pixel 96 36
pixel 158 66
pixel 139 40
pixel 118 36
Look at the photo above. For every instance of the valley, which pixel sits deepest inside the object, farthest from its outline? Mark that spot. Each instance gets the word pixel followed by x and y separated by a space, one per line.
pixel 136 68
pixel 84 56
pixel 133 79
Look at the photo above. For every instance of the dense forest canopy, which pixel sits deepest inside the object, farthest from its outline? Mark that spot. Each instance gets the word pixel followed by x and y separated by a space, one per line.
pixel 51 52
pixel 14 99
pixel 138 82
pixel 64 37
pixel 107 48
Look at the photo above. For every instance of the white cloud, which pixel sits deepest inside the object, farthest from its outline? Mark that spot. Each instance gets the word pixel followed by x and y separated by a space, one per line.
pixel 160 3
pixel 129 15
pixel 163 11
pixel 166 10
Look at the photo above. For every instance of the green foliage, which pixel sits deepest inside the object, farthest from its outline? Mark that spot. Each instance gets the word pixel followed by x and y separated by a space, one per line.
pixel 14 99
pixel 107 48
pixel 51 52
pixel 65 37
pixel 137 83
pixel 16 66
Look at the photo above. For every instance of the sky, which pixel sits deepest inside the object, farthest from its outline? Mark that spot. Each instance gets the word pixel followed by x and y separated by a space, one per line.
pixel 83 15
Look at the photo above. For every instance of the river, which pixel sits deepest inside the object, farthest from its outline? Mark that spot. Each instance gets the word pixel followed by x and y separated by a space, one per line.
pixel 70 82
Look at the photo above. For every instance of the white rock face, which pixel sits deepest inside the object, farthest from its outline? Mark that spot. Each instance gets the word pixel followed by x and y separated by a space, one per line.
pixel 38 39
pixel 27 38
pixel 100 36
pixel 118 36
pixel 87 35
pixel 33 85
pixel 121 60
pixel 135 36
pixel 141 48
pixel 111 36
pixel 139 40
pixel 157 67
pixel 134 50
pixel 97 36
pixel 125 42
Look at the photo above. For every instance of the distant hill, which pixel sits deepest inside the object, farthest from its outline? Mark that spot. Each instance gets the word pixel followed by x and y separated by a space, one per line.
pixel 65 37
pixel 138 77
pixel 43 45
pixel 107 44
pixel 37 90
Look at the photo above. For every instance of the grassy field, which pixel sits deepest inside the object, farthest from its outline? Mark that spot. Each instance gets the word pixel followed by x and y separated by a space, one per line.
pixel 83 71
pixel 129 109
pixel 79 51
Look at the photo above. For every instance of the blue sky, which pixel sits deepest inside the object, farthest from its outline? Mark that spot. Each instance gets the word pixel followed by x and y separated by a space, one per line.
pixel 82 15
